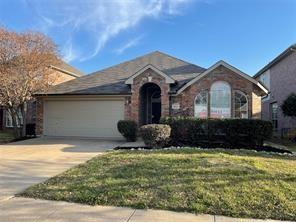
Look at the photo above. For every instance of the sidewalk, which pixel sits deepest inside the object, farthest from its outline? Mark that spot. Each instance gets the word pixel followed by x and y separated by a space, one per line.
pixel 31 210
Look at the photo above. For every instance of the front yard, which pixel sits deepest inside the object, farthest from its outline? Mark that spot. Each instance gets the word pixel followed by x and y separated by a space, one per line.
pixel 222 182
pixel 6 137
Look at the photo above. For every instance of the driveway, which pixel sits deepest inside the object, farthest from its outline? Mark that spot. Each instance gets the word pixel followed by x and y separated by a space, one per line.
pixel 28 162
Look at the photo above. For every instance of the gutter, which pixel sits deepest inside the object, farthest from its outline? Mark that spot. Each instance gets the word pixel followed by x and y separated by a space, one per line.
pixel 57 95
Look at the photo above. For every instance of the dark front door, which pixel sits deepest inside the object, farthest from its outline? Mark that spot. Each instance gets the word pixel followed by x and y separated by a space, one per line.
pixel 150 104
pixel 156 112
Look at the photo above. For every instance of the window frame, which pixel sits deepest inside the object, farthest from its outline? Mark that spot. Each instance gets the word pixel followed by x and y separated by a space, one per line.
pixel 274 120
pixel 8 118
pixel 207 103
pixel 234 104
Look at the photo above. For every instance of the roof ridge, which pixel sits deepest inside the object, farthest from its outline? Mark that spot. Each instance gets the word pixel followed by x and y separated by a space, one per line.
pixel 121 63
pixel 142 56
pixel 173 57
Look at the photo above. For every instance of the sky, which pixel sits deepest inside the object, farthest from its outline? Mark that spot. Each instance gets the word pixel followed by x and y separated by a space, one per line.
pixel 95 34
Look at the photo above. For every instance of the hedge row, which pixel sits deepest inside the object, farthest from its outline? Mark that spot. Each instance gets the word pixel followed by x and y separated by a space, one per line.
pixel 232 133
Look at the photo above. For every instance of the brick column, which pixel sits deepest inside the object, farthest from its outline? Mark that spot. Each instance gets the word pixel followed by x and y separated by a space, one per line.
pixel 165 100
pixel 39 116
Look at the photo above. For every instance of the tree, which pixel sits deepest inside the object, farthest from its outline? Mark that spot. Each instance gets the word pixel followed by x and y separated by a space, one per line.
pixel 289 106
pixel 25 61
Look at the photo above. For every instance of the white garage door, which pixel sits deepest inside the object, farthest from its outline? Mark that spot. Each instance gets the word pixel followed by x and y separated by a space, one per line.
pixel 83 118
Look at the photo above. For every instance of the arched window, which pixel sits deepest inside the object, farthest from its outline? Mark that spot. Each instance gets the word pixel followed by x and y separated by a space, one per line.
pixel 240 105
pixel 201 105
pixel 220 100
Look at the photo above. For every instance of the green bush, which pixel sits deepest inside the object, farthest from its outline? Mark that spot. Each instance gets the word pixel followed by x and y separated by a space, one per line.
pixel 289 106
pixel 232 133
pixel 155 135
pixel 128 129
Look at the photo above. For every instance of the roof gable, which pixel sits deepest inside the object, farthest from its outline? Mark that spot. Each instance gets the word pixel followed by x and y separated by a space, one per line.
pixel 167 78
pixel 216 65
pixel 276 60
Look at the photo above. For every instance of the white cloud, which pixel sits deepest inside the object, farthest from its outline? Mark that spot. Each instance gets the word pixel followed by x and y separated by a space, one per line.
pixel 129 44
pixel 69 53
pixel 85 26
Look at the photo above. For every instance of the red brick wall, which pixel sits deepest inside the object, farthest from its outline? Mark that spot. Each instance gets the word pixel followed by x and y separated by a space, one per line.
pixel 39 116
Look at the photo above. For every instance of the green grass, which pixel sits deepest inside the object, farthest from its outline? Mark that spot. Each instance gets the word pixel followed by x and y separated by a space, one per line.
pixel 221 182
pixel 6 137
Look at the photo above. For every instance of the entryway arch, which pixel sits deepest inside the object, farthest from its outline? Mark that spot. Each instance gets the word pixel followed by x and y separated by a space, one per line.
pixel 150 104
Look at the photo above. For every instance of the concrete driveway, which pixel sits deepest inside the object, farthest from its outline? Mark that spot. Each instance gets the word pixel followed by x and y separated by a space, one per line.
pixel 28 162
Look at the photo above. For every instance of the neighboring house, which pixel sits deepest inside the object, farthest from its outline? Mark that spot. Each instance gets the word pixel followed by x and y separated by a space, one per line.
pixel 144 89
pixel 279 77
pixel 63 72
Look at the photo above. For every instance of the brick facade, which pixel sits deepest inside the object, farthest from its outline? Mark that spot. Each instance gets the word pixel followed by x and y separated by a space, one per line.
pixel 39 116
pixel 187 97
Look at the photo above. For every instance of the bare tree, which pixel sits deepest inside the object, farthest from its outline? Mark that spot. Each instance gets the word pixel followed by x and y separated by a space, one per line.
pixel 25 61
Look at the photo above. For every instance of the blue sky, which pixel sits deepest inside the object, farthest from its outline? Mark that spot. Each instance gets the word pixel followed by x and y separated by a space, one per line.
pixel 93 34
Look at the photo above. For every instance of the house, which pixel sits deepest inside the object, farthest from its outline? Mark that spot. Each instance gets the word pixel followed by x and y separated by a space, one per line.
pixel 63 72
pixel 279 77
pixel 145 89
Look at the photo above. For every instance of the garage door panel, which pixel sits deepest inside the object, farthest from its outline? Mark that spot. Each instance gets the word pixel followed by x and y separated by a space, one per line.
pixel 83 118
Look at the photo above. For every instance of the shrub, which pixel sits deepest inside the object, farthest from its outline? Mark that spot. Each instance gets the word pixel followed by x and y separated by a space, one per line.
pixel 155 135
pixel 232 133
pixel 185 130
pixel 289 106
pixel 128 129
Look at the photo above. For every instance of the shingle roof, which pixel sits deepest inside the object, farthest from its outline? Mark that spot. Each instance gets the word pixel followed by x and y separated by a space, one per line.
pixel 111 80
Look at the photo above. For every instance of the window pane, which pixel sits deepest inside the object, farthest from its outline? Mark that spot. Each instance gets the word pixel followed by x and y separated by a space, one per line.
pixel 19 119
pixel 220 100
pixel 240 105
pixel 201 105
pixel 274 116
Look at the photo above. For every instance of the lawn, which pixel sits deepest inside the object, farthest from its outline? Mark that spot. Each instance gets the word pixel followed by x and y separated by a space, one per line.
pixel 221 182
pixel 5 137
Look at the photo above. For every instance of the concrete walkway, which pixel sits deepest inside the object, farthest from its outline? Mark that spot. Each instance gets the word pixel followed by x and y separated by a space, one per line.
pixel 29 162
pixel 30 210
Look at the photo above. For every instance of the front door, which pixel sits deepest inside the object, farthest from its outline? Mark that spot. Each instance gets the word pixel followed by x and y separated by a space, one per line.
pixel 150 104
pixel 156 112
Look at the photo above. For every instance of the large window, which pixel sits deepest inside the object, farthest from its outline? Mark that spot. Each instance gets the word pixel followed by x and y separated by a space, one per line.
pixel 220 100
pixel 201 105
pixel 240 105
pixel 274 116
pixel 8 119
